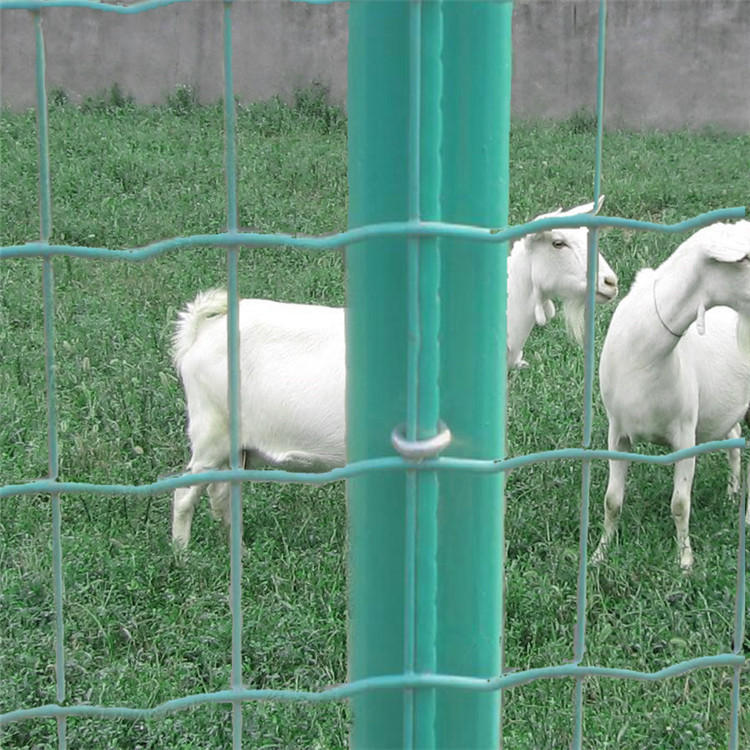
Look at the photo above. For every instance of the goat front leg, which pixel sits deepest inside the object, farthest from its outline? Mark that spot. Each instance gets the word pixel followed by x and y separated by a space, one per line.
pixel 735 465
pixel 735 461
pixel 683 485
pixel 615 495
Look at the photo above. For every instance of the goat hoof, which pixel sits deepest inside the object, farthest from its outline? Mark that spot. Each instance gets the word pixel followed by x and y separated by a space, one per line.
pixel 597 558
pixel 686 564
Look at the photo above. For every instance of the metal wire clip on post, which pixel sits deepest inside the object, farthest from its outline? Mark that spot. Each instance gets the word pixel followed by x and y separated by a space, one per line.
pixel 419 450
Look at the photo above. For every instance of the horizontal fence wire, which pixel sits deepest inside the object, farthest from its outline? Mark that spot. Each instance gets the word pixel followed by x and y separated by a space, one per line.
pixel 358 468
pixel 233 240
pixel 434 229
pixel 382 682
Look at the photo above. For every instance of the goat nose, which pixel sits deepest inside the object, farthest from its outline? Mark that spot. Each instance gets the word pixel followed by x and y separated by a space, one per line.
pixel 610 280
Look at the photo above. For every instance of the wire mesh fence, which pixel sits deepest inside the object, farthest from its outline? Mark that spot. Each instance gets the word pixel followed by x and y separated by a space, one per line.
pixel 233 240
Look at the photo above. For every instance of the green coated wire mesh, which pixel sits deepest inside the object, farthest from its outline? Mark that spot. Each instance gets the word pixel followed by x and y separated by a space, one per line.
pixel 233 240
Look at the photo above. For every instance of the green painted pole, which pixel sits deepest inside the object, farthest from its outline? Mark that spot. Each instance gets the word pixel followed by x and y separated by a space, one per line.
pixel 376 326
pixel 412 157
pixel 476 107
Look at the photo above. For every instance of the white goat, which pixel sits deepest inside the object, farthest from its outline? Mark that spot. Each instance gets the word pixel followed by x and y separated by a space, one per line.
pixel 292 365
pixel 675 367
pixel 546 265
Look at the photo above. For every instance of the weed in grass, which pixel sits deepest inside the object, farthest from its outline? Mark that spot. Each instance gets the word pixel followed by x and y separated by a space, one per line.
pixel 183 100
pixel 582 122
pixel 140 629
pixel 113 101
pixel 58 97
pixel 311 103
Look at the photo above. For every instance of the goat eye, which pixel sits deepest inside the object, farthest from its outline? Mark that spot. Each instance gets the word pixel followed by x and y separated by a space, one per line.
pixel 558 244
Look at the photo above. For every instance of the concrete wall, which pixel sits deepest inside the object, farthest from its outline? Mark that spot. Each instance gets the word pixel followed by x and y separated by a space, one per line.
pixel 670 63
pixel 278 46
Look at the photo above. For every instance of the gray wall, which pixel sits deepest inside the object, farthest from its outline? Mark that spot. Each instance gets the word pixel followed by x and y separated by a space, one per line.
pixel 278 46
pixel 670 63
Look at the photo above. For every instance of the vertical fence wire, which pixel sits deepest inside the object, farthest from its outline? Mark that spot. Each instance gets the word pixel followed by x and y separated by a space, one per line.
pixel 739 617
pixel 233 375
pixel 48 301
pixel 579 643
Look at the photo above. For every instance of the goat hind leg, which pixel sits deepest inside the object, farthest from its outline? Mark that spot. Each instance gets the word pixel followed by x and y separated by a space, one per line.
pixel 614 497
pixel 219 497
pixel 613 501
pixel 183 506
pixel 185 499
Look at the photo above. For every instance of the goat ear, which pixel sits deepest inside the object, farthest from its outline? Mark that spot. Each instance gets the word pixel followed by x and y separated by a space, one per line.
pixel 727 243
pixel 728 253
pixel 557 212
pixel 585 208
pixel 534 237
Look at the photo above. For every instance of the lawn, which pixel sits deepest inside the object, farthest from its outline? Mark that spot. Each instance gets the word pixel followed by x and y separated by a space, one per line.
pixel 140 629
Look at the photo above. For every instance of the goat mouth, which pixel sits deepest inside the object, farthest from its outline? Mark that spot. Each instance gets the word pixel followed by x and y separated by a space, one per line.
pixel 607 296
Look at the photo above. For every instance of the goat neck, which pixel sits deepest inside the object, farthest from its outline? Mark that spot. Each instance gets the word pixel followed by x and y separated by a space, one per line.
pixel 679 292
pixel 525 303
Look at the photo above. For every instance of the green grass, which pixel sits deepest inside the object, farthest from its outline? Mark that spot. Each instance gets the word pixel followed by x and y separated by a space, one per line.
pixel 140 629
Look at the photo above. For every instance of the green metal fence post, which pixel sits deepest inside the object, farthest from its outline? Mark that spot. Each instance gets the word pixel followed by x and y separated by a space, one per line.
pixel 448 579
pixel 476 106
pixel 376 359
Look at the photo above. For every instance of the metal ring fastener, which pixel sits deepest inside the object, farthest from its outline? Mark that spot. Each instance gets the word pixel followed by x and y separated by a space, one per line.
pixel 418 450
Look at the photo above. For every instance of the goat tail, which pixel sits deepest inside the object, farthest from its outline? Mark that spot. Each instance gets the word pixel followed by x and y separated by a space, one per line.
pixel 189 321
